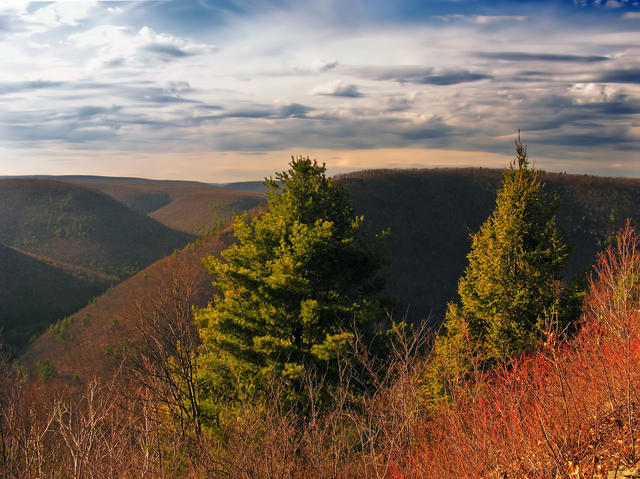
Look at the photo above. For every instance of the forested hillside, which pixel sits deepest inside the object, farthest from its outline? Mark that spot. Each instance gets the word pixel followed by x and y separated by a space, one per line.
pixel 187 206
pixel 87 233
pixel 33 293
pixel 80 226
pixel 431 214
pixel 63 244
pixel 93 340
pixel 211 393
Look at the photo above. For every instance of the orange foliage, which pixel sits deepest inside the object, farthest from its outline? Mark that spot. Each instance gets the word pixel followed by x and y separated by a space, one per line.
pixel 569 410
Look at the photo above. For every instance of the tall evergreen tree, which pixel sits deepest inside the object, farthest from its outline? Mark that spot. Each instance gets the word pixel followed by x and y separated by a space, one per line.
pixel 292 290
pixel 509 290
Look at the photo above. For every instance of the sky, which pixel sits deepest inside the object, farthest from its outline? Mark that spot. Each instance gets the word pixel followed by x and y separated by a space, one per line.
pixel 230 90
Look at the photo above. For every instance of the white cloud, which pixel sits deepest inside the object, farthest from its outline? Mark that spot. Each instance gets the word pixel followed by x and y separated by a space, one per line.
pixel 590 93
pixel 484 19
pixel 320 65
pixel 56 14
pixel 386 84
pixel 338 88
pixel 121 46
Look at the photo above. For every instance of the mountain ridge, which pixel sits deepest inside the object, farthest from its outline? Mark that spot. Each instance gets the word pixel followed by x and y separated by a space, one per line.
pixel 431 214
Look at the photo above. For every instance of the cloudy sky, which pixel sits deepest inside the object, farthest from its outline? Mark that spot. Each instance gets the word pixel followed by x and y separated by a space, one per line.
pixel 225 90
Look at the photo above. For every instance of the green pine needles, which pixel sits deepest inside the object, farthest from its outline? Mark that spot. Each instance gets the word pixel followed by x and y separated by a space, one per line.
pixel 509 293
pixel 293 292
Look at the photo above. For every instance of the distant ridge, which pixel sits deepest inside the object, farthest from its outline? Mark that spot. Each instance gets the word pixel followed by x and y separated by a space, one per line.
pixel 250 186
pixel 96 337
pixel 431 214
pixel 188 206
pixel 63 244
pixel 81 226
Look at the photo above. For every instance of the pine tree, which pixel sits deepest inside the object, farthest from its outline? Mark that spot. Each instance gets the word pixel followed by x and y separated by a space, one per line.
pixel 509 290
pixel 293 291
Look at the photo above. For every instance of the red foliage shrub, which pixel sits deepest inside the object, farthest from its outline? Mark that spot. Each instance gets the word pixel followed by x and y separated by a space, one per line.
pixel 568 410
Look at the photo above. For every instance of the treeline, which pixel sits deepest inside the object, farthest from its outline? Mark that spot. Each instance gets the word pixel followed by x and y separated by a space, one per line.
pixel 297 368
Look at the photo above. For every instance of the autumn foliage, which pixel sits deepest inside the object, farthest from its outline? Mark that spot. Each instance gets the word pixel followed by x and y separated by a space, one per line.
pixel 567 410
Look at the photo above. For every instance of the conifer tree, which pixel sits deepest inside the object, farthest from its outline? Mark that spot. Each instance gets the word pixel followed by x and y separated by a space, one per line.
pixel 292 290
pixel 509 290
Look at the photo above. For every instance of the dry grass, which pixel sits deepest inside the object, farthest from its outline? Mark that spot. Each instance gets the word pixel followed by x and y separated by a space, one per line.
pixel 121 429
pixel 568 410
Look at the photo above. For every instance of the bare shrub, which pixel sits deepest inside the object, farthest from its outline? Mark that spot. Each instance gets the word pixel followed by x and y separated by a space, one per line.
pixel 164 361
pixel 359 436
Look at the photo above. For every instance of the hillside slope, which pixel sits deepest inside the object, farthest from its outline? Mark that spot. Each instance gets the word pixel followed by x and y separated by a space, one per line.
pixel 567 410
pixel 187 206
pixel 431 214
pixel 35 293
pixel 80 226
pixel 92 340
pixel 249 186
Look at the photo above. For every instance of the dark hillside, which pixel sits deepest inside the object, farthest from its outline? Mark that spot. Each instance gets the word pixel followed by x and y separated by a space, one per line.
pixel 34 294
pixel 93 339
pixel 139 194
pixel 83 227
pixel 592 210
pixel 250 186
pixel 432 212
pixel 187 206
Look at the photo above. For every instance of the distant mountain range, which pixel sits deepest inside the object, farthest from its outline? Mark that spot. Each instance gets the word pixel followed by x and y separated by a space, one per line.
pixel 78 235
pixel 431 214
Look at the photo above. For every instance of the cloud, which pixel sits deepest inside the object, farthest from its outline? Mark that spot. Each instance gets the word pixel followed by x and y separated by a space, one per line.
pixel 589 93
pixel 603 3
pixel 165 49
pixel 434 128
pixel 400 103
pixel 158 98
pixel 420 75
pixel 89 112
pixel 146 77
pixel 10 23
pixel 293 110
pixel 320 65
pixel 631 16
pixel 177 87
pixel 253 112
pixel 616 138
pixel 338 88
pixel 84 90
pixel 453 78
pixel 23 86
pixel 30 129
pixel 338 133
pixel 630 75
pixel 120 46
pixel 50 15
pixel 540 57
pixel 484 19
